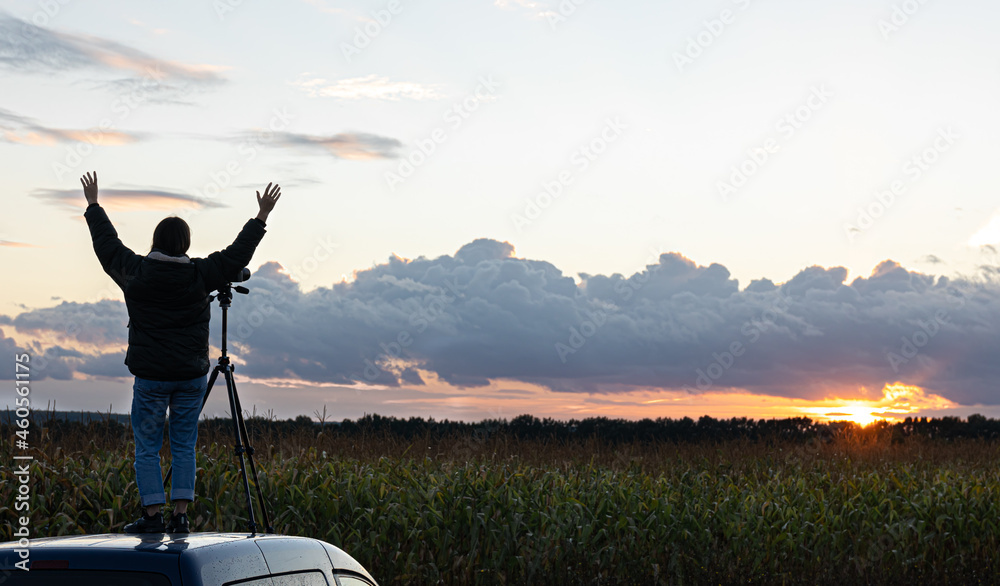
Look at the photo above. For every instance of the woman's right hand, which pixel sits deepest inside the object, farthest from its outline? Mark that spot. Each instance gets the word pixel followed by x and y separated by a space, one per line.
pixel 90 187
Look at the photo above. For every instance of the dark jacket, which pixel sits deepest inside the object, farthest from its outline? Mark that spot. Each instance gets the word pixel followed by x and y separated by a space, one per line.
pixel 167 300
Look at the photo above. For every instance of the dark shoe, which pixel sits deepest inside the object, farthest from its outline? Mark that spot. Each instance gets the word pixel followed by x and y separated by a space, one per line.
pixel 178 523
pixel 146 524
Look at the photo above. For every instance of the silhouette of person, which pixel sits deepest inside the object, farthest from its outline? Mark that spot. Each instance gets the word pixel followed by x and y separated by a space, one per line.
pixel 167 297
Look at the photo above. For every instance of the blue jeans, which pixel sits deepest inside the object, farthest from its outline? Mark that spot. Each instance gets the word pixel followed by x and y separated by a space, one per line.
pixel 150 400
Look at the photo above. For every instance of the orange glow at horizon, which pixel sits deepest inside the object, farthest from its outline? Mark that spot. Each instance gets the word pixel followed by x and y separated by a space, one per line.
pixel 897 400
pixel 507 398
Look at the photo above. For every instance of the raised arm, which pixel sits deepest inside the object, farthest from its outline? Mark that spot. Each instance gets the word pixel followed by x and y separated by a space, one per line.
pixel 117 260
pixel 223 266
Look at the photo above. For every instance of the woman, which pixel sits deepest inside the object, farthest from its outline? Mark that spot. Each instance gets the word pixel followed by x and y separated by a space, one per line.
pixel 167 296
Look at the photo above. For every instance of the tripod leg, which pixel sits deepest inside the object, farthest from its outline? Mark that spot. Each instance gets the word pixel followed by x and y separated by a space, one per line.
pixel 239 450
pixel 253 468
pixel 211 382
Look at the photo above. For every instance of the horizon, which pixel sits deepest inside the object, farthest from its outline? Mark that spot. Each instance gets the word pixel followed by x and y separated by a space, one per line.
pixel 644 210
pixel 320 419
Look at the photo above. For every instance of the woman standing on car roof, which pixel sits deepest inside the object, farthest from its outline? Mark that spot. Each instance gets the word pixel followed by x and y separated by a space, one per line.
pixel 167 296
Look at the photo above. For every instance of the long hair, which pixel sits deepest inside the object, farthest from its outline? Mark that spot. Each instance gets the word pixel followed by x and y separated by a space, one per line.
pixel 172 236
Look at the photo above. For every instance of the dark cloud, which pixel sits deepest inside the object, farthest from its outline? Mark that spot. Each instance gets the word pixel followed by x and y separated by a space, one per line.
pixel 26 48
pixel 128 199
pixel 53 362
pixel 100 323
pixel 60 352
pixel 10 349
pixel 483 314
pixel 109 364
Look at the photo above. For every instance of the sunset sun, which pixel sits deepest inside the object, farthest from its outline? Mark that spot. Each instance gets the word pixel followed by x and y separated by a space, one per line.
pixel 898 400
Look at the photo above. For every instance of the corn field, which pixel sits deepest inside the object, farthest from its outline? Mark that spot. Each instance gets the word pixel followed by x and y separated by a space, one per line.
pixel 475 510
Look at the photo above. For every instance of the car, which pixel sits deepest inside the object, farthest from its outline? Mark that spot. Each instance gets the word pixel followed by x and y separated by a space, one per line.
pixel 194 559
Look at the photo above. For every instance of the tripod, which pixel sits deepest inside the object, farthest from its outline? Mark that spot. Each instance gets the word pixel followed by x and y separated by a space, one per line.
pixel 225 297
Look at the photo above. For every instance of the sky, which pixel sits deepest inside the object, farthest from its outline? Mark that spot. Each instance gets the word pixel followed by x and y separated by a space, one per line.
pixel 568 208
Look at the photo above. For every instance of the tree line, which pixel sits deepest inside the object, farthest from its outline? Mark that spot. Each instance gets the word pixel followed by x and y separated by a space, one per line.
pixel 528 427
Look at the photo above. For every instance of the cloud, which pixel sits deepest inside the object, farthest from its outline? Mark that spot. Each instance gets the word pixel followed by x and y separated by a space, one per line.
pixel 23 130
pixel 347 145
pixel 483 315
pixel 896 401
pixel 108 364
pixel 51 365
pixel 26 48
pixel 370 87
pixel 12 244
pixel 9 348
pixel 126 199
pixel 99 323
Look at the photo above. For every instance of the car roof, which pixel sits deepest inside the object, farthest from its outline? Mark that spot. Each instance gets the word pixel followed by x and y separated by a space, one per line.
pixel 199 557
pixel 159 541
